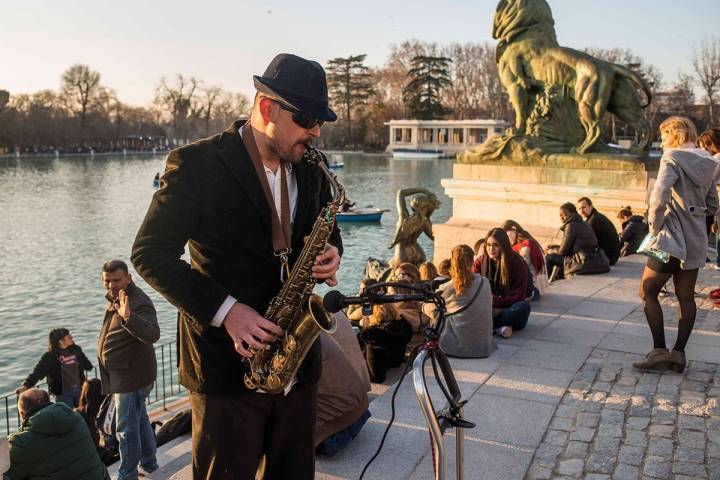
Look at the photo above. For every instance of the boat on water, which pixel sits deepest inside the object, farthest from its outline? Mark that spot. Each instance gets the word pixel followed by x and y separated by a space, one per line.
pixel 364 214
pixel 416 153
pixel 336 165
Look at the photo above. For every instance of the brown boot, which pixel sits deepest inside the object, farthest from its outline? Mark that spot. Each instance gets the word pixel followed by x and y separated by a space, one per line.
pixel 658 359
pixel 677 361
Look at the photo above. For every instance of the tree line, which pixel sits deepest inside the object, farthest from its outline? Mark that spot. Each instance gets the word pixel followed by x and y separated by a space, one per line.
pixel 84 114
pixel 422 80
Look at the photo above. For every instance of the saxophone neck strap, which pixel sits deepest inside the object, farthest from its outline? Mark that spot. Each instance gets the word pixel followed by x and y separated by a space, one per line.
pixel 280 226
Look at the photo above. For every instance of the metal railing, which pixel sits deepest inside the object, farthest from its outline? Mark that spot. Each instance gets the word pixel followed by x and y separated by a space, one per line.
pixel 166 387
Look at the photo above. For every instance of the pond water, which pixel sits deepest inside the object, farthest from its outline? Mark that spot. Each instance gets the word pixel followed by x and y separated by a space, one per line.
pixel 62 218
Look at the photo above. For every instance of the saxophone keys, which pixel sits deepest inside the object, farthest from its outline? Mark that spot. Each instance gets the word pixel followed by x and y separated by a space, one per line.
pixel 277 363
pixel 251 380
pixel 290 345
pixel 273 382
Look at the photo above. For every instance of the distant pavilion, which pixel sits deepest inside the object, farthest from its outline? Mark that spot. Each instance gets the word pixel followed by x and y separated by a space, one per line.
pixel 442 137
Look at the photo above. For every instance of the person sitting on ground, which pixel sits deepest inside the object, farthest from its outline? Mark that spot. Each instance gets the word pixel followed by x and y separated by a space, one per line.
pixel 91 400
pixel 383 337
pixel 579 252
pixel 478 249
pixel 411 311
pixel 530 250
pixel 342 390
pixel 634 231
pixel 468 331
pixel 428 272
pixel 508 276
pixel 52 443
pixel 444 268
pixel 64 365
pixel 605 232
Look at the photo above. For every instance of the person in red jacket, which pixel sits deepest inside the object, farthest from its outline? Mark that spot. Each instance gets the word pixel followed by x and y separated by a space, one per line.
pixel 508 276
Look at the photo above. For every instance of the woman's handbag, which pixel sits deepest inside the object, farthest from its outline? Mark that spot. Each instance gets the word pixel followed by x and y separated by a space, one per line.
pixel 586 262
pixel 646 248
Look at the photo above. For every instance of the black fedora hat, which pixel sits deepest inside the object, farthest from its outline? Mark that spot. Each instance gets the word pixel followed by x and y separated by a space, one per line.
pixel 299 82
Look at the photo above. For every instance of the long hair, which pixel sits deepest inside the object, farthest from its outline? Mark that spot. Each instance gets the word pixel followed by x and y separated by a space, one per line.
pixel 91 398
pixel 461 262
pixel 710 140
pixel 506 256
pixel 536 251
pixel 54 338
pixel 428 271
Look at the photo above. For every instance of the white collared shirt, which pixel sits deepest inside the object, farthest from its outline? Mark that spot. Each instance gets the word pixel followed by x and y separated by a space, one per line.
pixel 274 180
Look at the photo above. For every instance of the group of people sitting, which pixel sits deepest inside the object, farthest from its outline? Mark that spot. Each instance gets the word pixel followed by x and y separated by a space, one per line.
pixel 590 243
pixel 489 288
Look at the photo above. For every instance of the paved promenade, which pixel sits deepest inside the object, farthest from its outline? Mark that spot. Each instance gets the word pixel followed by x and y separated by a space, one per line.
pixel 560 399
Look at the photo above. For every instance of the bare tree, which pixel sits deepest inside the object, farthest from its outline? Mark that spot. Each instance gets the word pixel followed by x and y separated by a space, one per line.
pixel 209 96
pixel 706 63
pixel 178 99
pixel 79 86
pixel 476 89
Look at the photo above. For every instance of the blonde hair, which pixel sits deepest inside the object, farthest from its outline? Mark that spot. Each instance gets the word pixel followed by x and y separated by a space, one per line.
pixel 461 262
pixel 428 271
pixel 678 131
pixel 383 313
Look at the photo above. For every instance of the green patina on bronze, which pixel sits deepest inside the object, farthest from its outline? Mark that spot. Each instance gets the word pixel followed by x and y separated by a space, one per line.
pixel 559 95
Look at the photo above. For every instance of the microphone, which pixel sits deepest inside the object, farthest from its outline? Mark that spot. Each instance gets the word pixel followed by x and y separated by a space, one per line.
pixel 335 301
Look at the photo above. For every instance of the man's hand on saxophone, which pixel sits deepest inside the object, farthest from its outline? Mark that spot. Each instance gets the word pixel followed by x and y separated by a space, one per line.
pixel 248 328
pixel 326 265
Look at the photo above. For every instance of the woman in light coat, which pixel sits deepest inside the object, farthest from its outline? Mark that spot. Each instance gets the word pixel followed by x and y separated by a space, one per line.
pixel 467 334
pixel 683 195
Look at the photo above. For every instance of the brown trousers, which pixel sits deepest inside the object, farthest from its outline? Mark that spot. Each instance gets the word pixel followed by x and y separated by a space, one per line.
pixel 231 433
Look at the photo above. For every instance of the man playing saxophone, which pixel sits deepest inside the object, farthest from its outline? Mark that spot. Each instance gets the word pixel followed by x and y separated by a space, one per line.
pixel 243 201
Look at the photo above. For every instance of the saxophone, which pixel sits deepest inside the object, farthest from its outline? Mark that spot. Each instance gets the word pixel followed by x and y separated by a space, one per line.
pixel 295 308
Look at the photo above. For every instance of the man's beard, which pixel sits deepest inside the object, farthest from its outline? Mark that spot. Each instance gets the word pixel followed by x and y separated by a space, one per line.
pixel 287 156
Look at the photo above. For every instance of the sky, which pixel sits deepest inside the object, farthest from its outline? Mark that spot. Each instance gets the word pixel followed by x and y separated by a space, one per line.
pixel 134 43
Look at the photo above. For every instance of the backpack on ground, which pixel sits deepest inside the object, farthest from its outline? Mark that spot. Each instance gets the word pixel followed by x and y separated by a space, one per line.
pixel 177 426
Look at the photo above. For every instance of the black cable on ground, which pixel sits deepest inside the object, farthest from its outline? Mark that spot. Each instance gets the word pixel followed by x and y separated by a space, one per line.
pixel 411 358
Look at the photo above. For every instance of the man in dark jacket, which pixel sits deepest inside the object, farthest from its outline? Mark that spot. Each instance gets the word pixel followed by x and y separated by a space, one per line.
pixel 578 236
pixel 607 235
pixel 53 443
pixel 240 200
pixel 128 367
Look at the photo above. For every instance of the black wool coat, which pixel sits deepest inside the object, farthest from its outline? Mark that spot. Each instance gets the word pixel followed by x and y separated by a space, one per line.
pixel 606 234
pixel 211 199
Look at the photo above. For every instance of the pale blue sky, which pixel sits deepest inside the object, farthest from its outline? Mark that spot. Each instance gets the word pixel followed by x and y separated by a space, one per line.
pixel 133 43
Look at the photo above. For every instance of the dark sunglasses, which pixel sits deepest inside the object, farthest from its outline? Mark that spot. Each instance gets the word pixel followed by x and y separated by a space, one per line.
pixel 302 120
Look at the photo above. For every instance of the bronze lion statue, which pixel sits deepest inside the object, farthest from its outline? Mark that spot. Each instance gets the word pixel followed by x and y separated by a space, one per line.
pixel 530 62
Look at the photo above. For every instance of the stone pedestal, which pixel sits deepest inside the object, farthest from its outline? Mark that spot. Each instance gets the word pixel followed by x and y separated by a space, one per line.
pixel 485 195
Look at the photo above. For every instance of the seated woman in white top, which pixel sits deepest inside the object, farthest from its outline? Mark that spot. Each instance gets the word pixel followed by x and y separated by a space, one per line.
pixel 467 333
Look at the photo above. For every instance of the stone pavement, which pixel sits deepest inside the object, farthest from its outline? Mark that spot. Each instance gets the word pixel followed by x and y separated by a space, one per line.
pixel 560 399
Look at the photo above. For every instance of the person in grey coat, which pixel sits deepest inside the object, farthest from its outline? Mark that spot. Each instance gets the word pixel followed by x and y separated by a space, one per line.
pixel 468 333
pixel 683 195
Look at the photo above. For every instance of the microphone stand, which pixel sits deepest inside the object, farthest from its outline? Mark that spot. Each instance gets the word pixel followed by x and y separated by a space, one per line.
pixel 451 415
